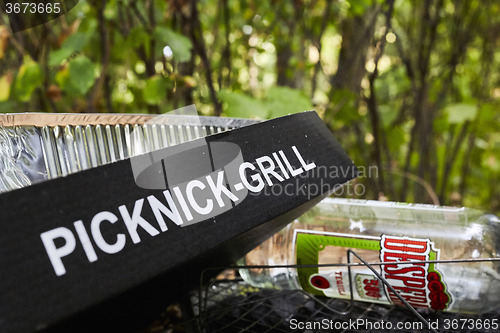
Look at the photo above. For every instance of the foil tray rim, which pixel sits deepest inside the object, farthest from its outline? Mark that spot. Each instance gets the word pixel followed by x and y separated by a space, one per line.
pixel 83 119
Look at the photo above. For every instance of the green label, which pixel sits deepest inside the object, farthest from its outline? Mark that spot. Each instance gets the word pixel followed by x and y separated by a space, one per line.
pixel 309 245
pixel 420 284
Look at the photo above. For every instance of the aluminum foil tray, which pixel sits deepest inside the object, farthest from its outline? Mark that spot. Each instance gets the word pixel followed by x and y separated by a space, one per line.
pixel 35 147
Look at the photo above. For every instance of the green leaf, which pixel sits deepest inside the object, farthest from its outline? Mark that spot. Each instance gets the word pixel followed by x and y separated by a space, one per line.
pixel 387 114
pixel 343 102
pixel 82 74
pixel 283 101
pixel 488 112
pixel 155 90
pixel 28 79
pixel 461 112
pixel 5 84
pixel 58 56
pixel 72 44
pixel 9 107
pixel 137 36
pixel 75 42
pixel 279 101
pixel 62 77
pixel 441 124
pixel 181 45
pixel 395 138
pixel 358 7
pixel 239 105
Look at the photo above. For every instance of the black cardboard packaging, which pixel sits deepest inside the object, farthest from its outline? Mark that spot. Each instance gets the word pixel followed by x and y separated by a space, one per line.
pixel 117 290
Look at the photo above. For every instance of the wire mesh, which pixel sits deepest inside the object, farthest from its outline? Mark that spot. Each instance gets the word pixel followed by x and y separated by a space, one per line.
pixel 231 305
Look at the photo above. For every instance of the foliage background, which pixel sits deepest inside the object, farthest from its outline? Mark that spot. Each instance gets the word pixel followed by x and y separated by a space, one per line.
pixel 411 87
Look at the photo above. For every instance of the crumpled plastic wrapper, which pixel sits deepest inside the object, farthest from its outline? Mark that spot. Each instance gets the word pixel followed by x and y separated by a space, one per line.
pixel 35 147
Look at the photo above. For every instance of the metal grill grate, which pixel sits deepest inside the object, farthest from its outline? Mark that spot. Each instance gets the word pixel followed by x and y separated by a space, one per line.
pixel 232 306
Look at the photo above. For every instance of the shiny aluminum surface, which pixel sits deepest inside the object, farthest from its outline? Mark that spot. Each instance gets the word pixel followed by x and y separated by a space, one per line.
pixel 31 154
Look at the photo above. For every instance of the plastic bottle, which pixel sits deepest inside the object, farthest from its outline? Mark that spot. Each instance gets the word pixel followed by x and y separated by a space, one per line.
pixel 387 232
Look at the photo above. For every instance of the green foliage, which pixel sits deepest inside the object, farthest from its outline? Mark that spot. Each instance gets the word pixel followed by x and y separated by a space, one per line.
pixel 181 46
pixel 359 7
pixel 4 88
pixel 283 100
pixel 459 113
pixel 72 44
pixel 155 90
pixel 387 115
pixel 137 37
pixel 278 102
pixel 81 74
pixel 28 79
pixel 395 136
pixel 239 105
pixel 265 59
pixel 344 103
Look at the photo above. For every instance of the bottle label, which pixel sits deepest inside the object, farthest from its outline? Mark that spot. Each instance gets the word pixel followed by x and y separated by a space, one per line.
pixel 420 284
